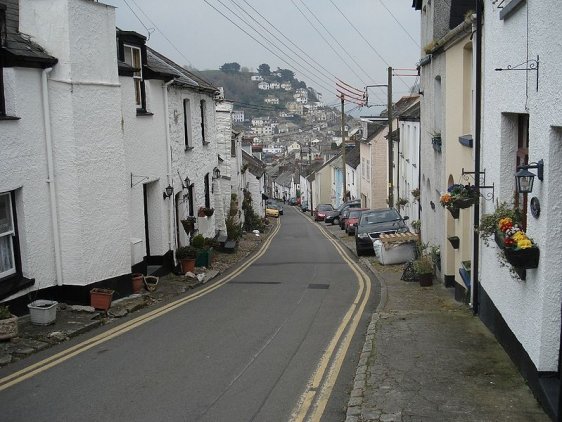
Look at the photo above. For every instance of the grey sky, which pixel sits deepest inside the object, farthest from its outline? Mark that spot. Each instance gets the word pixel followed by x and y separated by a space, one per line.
pixel 206 39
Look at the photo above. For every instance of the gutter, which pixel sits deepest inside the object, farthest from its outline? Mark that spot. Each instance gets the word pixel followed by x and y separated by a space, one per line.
pixel 169 165
pixel 51 175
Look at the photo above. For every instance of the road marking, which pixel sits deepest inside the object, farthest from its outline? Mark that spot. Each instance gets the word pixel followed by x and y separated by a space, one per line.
pixel 75 350
pixel 313 401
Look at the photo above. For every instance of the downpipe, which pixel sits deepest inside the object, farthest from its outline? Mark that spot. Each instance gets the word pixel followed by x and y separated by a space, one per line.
pixel 169 168
pixel 51 175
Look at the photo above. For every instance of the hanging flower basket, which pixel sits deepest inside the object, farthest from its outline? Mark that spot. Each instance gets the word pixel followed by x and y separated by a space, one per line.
pixel 523 258
pixel 188 225
pixel 463 203
pixel 454 212
pixel 209 211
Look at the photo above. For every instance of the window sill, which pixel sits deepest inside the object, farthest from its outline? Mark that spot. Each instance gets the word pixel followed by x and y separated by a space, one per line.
pixel 188 148
pixel 13 284
pixel 141 112
pixel 9 118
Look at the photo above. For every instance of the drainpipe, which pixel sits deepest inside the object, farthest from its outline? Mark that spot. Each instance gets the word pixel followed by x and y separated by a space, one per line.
pixel 169 167
pixel 51 174
pixel 477 130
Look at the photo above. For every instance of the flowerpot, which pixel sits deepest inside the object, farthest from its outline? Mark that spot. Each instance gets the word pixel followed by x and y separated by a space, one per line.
pixel 187 265
pixel 188 226
pixel 463 203
pixel 137 282
pixel 42 312
pixel 101 298
pixel 454 212
pixel 425 280
pixel 454 241
pixel 523 258
pixel 151 283
pixel 499 237
pixel 8 328
pixel 209 212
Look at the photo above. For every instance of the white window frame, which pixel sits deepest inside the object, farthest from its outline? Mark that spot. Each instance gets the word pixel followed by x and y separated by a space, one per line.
pixel 137 75
pixel 7 230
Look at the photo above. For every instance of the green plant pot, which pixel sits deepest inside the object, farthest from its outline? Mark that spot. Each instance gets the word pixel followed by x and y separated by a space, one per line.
pixel 204 258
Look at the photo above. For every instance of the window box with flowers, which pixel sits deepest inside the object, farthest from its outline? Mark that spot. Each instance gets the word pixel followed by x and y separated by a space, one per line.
pixel 520 251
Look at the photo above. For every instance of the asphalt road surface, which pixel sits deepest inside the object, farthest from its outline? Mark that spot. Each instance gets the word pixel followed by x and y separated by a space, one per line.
pixel 278 341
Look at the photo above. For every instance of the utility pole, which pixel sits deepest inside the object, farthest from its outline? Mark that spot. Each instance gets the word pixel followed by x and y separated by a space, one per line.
pixel 343 145
pixel 390 145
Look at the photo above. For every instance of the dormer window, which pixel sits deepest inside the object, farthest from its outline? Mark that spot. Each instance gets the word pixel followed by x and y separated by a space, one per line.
pixel 133 59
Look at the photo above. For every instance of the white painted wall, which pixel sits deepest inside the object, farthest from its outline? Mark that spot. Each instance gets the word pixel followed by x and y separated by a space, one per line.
pixel 531 308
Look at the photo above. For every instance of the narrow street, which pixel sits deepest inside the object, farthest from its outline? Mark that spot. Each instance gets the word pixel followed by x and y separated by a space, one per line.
pixel 272 343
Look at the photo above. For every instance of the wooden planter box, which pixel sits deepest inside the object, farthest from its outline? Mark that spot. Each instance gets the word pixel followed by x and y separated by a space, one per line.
pixel 523 258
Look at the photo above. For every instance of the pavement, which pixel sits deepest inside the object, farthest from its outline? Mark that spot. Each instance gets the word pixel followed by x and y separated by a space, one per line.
pixel 425 357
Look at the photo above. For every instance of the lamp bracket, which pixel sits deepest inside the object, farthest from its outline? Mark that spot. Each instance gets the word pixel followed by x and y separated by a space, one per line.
pixel 539 165
pixel 136 182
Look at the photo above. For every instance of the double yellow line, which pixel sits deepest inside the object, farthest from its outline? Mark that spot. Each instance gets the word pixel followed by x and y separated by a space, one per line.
pixel 59 358
pixel 313 401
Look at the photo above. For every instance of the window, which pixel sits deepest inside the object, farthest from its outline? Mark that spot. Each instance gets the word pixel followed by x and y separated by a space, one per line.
pixel 207 192
pixel 7 235
pixel 133 58
pixel 522 158
pixel 3 29
pixel 233 146
pixel 203 107
pixel 187 123
pixel 3 34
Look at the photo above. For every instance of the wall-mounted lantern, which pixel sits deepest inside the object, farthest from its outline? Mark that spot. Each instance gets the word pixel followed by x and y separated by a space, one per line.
pixel 524 178
pixel 169 191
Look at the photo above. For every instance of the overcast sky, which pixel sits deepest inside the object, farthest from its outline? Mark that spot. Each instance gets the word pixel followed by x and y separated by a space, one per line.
pixel 379 33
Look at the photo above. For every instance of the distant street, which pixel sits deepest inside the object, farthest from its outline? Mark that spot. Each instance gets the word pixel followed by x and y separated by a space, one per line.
pixel 262 347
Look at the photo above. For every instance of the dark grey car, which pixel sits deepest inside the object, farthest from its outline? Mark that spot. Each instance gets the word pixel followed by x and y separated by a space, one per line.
pixel 373 223
pixel 333 217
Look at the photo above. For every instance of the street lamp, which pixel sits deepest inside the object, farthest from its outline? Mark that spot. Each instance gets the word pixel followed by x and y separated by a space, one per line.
pixel 169 191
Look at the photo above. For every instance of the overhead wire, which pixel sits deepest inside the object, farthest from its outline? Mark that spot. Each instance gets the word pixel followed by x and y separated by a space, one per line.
pixel 336 40
pixel 259 42
pixel 149 31
pixel 327 42
pixel 365 39
pixel 401 26
pixel 320 69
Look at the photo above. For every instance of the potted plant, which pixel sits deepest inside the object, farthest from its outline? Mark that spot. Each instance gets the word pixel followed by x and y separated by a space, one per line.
pixel 435 252
pixel 401 202
pixel 205 212
pixel 416 194
pixel 137 280
pixel 204 252
pixel 8 324
pixel 416 225
pixel 423 267
pixel 186 257
pixel 42 312
pixel 101 298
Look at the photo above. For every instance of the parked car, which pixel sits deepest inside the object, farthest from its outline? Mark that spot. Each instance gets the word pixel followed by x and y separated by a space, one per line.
pixel 353 216
pixel 275 202
pixel 373 223
pixel 333 217
pixel 272 210
pixel 304 206
pixel 321 210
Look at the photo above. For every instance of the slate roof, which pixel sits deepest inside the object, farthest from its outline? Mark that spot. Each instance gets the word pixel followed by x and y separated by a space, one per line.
pixel 413 113
pixel 284 179
pixel 161 64
pixel 353 157
pixel 19 49
pixel 255 165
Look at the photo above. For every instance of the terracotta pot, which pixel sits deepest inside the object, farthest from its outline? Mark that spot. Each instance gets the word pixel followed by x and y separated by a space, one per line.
pixel 187 265
pixel 137 282
pixel 101 298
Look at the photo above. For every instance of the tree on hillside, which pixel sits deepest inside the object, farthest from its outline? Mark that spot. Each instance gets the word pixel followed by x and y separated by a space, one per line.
pixel 230 67
pixel 264 69
pixel 245 69
pixel 286 74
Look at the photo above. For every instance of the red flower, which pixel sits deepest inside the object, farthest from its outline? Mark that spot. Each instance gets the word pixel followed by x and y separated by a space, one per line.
pixel 508 242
